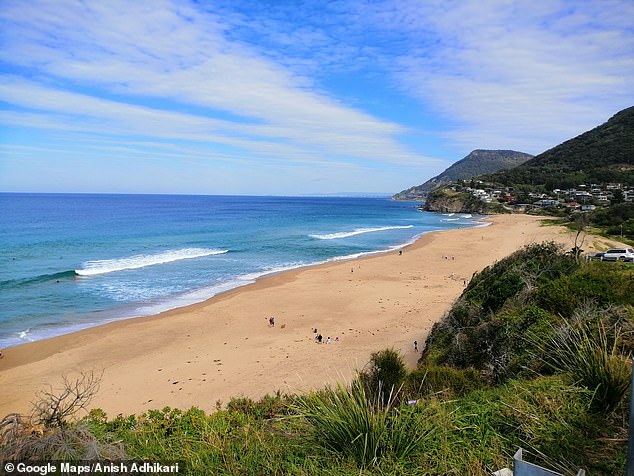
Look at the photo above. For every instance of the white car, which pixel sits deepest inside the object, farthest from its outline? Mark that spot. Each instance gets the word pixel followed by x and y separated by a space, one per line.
pixel 618 254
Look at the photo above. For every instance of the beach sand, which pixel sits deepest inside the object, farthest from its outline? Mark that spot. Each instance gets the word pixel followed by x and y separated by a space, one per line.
pixel 224 347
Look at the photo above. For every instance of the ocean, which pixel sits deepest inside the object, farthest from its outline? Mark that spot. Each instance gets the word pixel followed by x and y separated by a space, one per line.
pixel 71 261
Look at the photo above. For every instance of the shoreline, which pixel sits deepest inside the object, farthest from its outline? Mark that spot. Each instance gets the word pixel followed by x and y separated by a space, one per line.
pixel 183 300
pixel 222 347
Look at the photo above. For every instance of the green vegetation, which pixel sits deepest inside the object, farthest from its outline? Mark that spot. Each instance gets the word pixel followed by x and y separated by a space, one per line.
pixel 383 376
pixel 352 423
pixel 535 353
pixel 591 175
pixel 592 358
pixel 604 154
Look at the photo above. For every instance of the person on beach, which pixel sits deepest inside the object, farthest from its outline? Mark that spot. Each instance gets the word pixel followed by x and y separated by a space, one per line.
pixel 319 338
pixel 1 353
pixel 271 322
pixel 415 345
pixel 328 340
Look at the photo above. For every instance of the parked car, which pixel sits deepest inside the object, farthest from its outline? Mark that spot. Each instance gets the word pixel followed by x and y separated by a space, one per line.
pixel 596 256
pixel 619 254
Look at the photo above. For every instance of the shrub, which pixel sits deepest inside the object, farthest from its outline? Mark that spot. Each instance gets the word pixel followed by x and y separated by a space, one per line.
pixel 383 375
pixel 450 382
pixel 269 406
pixel 527 267
pixel 496 345
pixel 604 285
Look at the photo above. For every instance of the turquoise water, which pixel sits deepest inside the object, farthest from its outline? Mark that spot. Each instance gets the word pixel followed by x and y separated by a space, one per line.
pixel 74 261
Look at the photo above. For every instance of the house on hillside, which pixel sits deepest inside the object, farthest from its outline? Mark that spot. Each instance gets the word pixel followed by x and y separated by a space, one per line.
pixel 548 202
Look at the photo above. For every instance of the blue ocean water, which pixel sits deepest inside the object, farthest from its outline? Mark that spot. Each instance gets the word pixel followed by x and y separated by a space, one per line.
pixel 73 261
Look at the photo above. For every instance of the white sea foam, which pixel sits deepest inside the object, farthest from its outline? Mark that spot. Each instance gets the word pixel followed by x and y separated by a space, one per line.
pixel 358 231
pixel 91 268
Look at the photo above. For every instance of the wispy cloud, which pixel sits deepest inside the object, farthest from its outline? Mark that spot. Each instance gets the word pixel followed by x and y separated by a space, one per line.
pixel 524 75
pixel 164 55
pixel 345 91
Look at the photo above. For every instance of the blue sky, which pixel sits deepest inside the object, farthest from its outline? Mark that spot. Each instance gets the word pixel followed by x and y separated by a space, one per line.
pixel 290 97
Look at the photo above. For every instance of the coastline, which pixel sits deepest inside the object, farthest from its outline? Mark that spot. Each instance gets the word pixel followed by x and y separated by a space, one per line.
pixel 222 347
pixel 84 318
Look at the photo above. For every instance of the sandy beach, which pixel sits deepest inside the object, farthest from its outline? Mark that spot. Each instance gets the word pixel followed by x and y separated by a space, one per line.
pixel 225 347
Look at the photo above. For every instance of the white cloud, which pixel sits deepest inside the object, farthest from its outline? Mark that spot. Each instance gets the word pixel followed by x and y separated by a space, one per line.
pixel 224 84
pixel 176 55
pixel 522 75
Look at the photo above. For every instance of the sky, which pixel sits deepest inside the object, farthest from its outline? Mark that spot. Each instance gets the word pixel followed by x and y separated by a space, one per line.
pixel 289 97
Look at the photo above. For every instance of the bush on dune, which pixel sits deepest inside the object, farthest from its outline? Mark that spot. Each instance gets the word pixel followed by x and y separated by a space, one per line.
pixel 383 375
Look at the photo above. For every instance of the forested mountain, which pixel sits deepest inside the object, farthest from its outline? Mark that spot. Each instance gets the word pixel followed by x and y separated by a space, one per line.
pixel 478 162
pixel 602 155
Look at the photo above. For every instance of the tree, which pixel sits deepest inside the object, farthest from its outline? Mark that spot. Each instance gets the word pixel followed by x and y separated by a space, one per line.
pixel 582 220
pixel 617 197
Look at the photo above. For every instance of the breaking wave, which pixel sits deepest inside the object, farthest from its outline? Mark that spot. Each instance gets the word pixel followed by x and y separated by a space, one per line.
pixel 91 268
pixel 358 231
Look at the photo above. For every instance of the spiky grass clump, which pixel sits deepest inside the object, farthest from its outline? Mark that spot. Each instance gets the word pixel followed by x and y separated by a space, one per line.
pixel 348 421
pixel 592 357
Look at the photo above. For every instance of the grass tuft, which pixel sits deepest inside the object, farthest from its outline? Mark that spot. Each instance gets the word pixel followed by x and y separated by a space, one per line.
pixel 592 357
pixel 348 421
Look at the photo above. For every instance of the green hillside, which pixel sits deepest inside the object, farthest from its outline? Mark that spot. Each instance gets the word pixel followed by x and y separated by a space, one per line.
pixel 602 155
pixel 478 162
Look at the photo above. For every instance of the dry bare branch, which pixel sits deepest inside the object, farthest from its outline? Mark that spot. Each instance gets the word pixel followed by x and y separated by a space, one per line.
pixel 53 408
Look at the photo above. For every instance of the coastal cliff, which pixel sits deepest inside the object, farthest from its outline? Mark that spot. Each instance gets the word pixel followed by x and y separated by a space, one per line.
pixel 478 162
pixel 445 200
